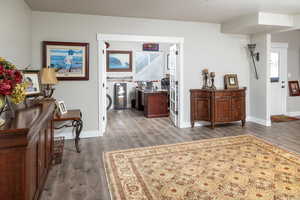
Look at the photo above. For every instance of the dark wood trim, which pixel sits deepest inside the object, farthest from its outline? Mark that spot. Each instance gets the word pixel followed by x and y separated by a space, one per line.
pixel 87 50
pixel 119 52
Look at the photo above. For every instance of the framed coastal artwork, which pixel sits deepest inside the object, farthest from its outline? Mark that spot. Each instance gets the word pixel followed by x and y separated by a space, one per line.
pixel 32 78
pixel 119 61
pixel 70 59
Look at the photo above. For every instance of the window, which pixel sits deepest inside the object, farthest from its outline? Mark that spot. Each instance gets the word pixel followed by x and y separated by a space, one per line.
pixel 149 66
pixel 274 67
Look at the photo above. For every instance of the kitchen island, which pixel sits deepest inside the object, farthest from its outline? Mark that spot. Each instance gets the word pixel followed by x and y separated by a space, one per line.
pixel 154 103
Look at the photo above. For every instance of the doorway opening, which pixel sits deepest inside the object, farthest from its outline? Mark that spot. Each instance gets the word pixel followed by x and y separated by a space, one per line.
pixel 284 67
pixel 148 81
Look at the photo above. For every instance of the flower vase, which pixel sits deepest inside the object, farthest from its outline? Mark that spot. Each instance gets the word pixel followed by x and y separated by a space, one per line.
pixel 6 108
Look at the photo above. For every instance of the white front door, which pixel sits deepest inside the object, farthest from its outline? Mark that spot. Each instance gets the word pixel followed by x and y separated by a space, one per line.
pixel 102 87
pixel 173 84
pixel 278 78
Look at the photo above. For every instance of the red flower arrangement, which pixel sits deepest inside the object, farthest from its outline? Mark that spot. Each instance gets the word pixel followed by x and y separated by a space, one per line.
pixel 9 78
pixel 11 83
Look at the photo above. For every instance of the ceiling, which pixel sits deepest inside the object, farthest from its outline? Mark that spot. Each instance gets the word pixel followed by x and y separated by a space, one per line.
pixel 215 11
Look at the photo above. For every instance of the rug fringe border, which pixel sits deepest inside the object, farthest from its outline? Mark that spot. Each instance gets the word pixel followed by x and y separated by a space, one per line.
pixel 107 177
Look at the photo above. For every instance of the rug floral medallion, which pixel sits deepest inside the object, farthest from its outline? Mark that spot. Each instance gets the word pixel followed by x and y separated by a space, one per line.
pixel 230 168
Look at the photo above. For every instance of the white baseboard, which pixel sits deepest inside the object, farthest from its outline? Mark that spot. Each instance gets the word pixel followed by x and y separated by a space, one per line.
pixel 68 134
pixel 293 114
pixel 260 121
pixel 197 124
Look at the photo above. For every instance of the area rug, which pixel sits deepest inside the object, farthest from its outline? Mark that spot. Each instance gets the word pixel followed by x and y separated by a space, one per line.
pixel 283 118
pixel 230 168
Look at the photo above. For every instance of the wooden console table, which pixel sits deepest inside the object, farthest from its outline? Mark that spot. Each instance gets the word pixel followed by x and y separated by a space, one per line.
pixel 73 118
pixel 218 106
pixel 26 147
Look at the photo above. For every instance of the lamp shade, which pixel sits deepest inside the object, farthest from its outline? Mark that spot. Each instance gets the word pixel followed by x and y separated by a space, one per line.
pixel 48 76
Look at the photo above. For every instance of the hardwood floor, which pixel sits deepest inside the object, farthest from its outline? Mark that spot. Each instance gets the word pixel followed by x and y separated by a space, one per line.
pixel 82 176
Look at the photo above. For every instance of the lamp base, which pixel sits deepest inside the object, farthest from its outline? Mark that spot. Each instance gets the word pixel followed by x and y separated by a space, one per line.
pixel 48 91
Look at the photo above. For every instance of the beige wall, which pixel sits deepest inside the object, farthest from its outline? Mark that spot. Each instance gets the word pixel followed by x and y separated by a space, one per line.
pixel 15 32
pixel 205 47
pixel 293 39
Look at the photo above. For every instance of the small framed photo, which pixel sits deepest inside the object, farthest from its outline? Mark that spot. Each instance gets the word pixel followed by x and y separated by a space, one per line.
pixel 119 61
pixel 61 107
pixel 150 47
pixel 231 81
pixel 294 88
pixel 70 59
pixel 32 78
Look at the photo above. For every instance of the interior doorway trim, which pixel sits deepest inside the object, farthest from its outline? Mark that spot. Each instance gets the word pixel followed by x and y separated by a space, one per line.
pixel 101 37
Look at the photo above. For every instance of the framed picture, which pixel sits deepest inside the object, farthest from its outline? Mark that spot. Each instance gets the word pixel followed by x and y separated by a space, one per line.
pixel 294 88
pixel 71 60
pixel 150 47
pixel 61 107
pixel 32 78
pixel 231 81
pixel 119 61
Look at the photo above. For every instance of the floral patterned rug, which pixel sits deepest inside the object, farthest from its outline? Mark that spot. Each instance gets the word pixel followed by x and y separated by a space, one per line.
pixel 230 168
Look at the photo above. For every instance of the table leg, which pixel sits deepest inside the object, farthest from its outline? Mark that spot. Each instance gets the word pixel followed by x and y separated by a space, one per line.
pixel 77 124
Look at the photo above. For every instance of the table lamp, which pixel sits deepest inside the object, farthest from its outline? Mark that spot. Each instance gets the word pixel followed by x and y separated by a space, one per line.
pixel 48 78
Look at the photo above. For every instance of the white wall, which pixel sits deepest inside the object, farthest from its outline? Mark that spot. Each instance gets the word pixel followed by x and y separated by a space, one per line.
pixel 293 69
pixel 15 34
pixel 259 89
pixel 205 47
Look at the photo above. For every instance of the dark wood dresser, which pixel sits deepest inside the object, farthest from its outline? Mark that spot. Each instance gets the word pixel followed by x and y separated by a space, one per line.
pixel 25 151
pixel 218 106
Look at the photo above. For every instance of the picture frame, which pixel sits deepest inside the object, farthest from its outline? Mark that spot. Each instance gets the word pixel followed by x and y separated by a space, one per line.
pixel 231 81
pixel 70 59
pixel 32 77
pixel 119 61
pixel 294 88
pixel 150 47
pixel 61 107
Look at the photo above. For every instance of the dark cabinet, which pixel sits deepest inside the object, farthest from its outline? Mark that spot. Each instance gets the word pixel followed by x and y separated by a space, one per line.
pixel 156 104
pixel 218 106
pixel 25 152
pixel 153 103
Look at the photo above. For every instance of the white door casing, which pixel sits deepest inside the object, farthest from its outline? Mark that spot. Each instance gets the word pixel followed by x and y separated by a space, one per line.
pixel 102 87
pixel 135 38
pixel 279 88
pixel 173 84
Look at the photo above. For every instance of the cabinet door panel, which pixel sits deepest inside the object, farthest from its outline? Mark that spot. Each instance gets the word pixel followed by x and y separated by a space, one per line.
pixel 201 108
pixel 222 109
pixel 237 108
pixel 32 170
pixel 12 174
pixel 42 155
pixel 48 145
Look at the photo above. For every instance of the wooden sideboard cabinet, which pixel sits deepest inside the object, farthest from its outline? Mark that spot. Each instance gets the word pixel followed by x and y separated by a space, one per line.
pixel 26 151
pixel 218 106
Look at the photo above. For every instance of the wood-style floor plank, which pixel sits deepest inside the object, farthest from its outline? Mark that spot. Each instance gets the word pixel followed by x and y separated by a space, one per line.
pixel 82 176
